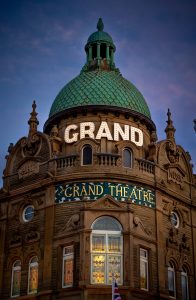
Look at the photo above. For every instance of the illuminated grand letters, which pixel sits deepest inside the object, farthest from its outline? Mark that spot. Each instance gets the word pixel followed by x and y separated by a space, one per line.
pixel 87 129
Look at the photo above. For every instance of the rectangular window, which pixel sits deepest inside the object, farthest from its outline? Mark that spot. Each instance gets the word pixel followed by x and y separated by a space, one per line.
pixel 98 243
pixel 144 285
pixel 114 243
pixel 68 266
pixel 98 269
pixel 16 280
pixel 106 258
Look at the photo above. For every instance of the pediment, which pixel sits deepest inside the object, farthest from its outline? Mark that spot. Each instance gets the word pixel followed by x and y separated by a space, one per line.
pixel 107 203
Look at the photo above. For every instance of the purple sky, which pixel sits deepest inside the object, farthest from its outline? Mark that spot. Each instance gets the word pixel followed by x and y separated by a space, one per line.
pixel 42 48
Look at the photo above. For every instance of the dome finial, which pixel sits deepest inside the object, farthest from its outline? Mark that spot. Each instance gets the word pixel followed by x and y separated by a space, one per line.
pixel 33 121
pixel 100 25
pixel 170 130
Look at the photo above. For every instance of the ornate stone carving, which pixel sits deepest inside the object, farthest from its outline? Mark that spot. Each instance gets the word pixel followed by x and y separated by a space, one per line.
pixel 184 245
pixel 32 236
pixel 31 145
pixel 175 174
pixel 27 169
pixel 73 223
pixel 173 152
pixel 16 239
pixel 172 239
pixel 137 221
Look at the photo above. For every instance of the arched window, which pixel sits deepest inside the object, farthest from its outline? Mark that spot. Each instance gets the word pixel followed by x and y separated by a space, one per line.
pixel 171 280
pixel 127 158
pixel 33 275
pixel 87 155
pixel 16 279
pixel 184 285
pixel 106 251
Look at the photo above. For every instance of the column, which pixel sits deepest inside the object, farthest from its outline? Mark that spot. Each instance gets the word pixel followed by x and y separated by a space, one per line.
pixel 98 54
pixel 90 54
pixel 108 54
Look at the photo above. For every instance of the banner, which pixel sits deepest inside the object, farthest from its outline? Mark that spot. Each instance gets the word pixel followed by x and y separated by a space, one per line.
pixel 95 190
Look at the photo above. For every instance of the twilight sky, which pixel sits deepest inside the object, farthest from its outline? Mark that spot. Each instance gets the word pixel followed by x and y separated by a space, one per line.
pixel 42 49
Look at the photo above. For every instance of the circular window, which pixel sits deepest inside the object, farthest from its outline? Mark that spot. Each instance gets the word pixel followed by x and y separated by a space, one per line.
pixel 175 219
pixel 28 213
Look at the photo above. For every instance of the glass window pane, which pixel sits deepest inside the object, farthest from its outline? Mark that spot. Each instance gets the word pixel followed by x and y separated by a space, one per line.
pixel 87 155
pixel 98 243
pixel 143 275
pixel 171 281
pixel 68 250
pixel 98 269
pixel 68 272
pixel 127 158
pixel 114 268
pixel 28 213
pixel 114 244
pixel 106 223
pixel 184 284
pixel 33 278
pixel 174 219
pixel 144 253
pixel 16 282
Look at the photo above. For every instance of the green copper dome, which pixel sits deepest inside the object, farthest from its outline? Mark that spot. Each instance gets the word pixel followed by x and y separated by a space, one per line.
pixel 100 83
pixel 100 87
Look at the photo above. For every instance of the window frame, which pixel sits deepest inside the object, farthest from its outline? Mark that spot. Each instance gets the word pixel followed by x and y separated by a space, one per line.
pixel 82 156
pixel 106 253
pixel 177 219
pixel 65 257
pixel 24 211
pixel 171 268
pixel 32 264
pixel 15 268
pixel 184 273
pixel 131 157
pixel 144 260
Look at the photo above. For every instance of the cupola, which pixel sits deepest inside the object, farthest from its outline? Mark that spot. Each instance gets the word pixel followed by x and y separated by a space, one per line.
pixel 100 49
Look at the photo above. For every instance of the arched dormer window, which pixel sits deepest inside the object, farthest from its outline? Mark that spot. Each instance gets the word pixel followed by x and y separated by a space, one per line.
pixel 16 279
pixel 171 280
pixel 127 158
pixel 33 275
pixel 106 251
pixel 87 155
pixel 184 284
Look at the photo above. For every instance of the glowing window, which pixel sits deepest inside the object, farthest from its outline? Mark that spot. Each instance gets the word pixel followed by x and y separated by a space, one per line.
pixel 33 276
pixel 127 158
pixel 144 280
pixel 106 251
pixel 68 266
pixel 171 280
pixel 87 155
pixel 184 285
pixel 16 279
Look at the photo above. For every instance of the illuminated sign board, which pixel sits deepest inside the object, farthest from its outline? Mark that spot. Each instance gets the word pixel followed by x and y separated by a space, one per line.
pixel 95 190
pixel 87 129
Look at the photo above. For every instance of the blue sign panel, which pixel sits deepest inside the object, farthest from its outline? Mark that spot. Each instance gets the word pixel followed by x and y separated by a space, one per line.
pixel 95 190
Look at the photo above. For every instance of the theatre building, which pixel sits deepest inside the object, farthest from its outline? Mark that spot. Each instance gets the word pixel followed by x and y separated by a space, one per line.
pixel 96 196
